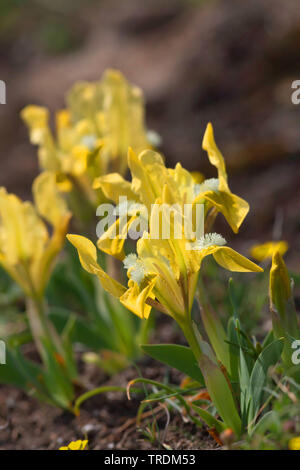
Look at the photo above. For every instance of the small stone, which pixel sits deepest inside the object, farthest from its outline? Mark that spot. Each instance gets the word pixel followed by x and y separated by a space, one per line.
pixel 90 428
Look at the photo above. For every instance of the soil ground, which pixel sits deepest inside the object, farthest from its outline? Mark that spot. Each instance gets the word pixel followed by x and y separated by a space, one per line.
pixel 108 420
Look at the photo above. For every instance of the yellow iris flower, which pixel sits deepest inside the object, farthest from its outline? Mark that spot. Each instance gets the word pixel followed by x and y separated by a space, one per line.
pixel 75 445
pixel 164 271
pixel 27 251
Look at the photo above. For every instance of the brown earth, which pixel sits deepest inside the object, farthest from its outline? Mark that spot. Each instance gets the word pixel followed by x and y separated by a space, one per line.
pixel 108 421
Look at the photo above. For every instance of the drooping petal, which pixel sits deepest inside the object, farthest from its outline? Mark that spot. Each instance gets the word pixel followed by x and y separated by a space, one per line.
pixel 227 258
pixel 135 297
pixel 231 206
pixel 88 257
pixel 233 261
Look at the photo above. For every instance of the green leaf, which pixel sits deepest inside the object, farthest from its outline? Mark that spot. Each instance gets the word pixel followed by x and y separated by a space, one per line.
pixel 209 419
pixel 268 357
pixel 56 377
pixel 233 348
pixel 12 373
pixel 179 357
pixel 24 374
pixel 233 298
pixel 220 393
pixel 214 328
pixel 268 339
pixel 269 422
pixel 244 380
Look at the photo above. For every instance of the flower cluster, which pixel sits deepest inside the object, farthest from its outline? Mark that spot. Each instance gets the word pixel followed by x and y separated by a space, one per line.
pixel 164 270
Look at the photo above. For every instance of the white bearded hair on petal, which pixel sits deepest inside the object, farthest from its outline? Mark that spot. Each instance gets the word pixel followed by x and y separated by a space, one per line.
pixel 211 184
pixel 209 239
pixel 135 268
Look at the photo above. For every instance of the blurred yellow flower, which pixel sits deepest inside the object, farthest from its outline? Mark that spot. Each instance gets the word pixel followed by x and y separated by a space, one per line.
pixel 266 250
pixel 27 251
pixel 75 445
pixel 294 443
pixel 93 134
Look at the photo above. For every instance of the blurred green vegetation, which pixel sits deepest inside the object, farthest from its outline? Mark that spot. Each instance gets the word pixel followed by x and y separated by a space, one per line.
pixel 52 27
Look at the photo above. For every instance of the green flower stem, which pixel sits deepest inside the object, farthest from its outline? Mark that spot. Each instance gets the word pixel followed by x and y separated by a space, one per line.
pixel 93 393
pixel 41 327
pixel 214 328
pixel 189 333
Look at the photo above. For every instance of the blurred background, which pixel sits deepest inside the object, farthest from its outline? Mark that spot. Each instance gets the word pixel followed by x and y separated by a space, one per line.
pixel 225 61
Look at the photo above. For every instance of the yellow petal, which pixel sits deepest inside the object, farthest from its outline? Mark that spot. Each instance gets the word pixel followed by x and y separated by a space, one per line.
pixel 113 240
pixel 76 161
pixel 231 206
pixel 115 186
pixel 84 444
pixel 197 177
pixel 21 228
pixel 63 119
pixel 183 177
pixel 15 274
pixel 48 200
pixel 36 118
pixel 75 445
pixel 184 182
pixel 149 175
pixel 23 238
pixel 88 257
pixel 64 183
pixel 135 297
pixel 123 110
pixel 43 264
pixel 266 250
pixel 155 255
pixel 215 156
pixel 233 261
